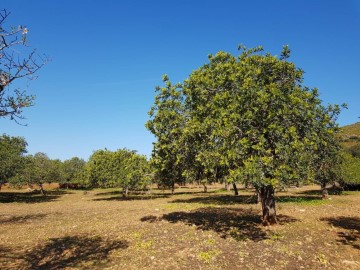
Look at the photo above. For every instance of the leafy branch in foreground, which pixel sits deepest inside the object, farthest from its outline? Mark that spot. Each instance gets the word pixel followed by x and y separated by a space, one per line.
pixel 17 61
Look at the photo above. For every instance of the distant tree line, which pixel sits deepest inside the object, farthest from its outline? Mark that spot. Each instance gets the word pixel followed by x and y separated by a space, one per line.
pixel 122 168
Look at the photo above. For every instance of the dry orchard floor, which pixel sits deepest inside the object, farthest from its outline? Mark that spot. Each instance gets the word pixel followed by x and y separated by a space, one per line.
pixel 187 230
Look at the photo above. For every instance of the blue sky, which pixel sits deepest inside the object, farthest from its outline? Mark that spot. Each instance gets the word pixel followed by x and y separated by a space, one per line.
pixel 108 56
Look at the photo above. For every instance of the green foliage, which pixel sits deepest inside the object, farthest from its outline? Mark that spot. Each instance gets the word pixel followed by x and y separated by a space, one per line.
pixel 167 124
pixel 37 170
pixel 73 171
pixel 122 168
pixel 354 150
pixel 244 118
pixel 12 150
pixel 351 169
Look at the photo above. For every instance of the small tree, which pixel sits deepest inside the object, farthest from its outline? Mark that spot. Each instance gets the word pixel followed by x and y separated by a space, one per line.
pixel 123 168
pixel 98 169
pixel 37 170
pixel 12 150
pixel 17 61
pixel 72 170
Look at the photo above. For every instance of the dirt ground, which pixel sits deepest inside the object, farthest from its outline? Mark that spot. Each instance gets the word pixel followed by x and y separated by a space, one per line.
pixel 97 229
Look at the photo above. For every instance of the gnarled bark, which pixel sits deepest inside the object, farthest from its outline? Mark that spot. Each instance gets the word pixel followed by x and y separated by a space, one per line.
pixel 205 187
pixel 267 195
pixel 172 187
pixel 125 191
pixel 42 189
pixel 236 192
pixel 324 191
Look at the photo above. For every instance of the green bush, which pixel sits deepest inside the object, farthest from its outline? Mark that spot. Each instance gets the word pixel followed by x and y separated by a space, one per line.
pixel 355 150
pixel 351 169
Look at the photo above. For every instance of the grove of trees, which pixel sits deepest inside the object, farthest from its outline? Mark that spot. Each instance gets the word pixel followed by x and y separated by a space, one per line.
pixel 237 119
pixel 122 168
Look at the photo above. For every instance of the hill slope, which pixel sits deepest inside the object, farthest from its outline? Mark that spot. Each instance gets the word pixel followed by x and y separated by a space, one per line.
pixel 350 135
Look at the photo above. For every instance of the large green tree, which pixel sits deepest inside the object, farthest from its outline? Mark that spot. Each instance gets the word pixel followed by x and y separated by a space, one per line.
pixel 12 150
pixel 251 116
pixel 167 123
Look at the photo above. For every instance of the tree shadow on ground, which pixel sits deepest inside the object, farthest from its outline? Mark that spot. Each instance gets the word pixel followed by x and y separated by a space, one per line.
pixel 154 193
pixel 240 224
pixel 109 193
pixel 246 199
pixel 19 219
pixel 72 251
pixel 132 198
pixel 300 199
pixel 315 192
pixel 318 192
pixel 219 199
pixel 352 224
pixel 30 197
pixel 8 258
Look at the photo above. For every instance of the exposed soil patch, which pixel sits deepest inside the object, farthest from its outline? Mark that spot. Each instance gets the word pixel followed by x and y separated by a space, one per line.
pixel 98 229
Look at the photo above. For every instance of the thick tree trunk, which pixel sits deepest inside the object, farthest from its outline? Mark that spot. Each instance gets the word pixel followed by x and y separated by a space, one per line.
pixel 236 192
pixel 268 205
pixel 205 187
pixel 172 187
pixel 125 192
pixel 324 191
pixel 42 189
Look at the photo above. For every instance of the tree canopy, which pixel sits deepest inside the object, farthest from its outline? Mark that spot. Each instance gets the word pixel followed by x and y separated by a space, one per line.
pixel 37 169
pixel 249 117
pixel 122 168
pixel 12 150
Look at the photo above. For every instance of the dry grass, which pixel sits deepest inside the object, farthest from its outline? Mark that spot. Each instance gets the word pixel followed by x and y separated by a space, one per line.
pixel 187 230
pixel 350 135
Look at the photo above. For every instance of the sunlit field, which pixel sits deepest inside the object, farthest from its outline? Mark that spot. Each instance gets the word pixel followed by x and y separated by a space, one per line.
pixel 98 229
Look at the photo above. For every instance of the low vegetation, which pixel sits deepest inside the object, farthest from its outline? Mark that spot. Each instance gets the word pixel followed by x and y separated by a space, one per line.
pixel 98 229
